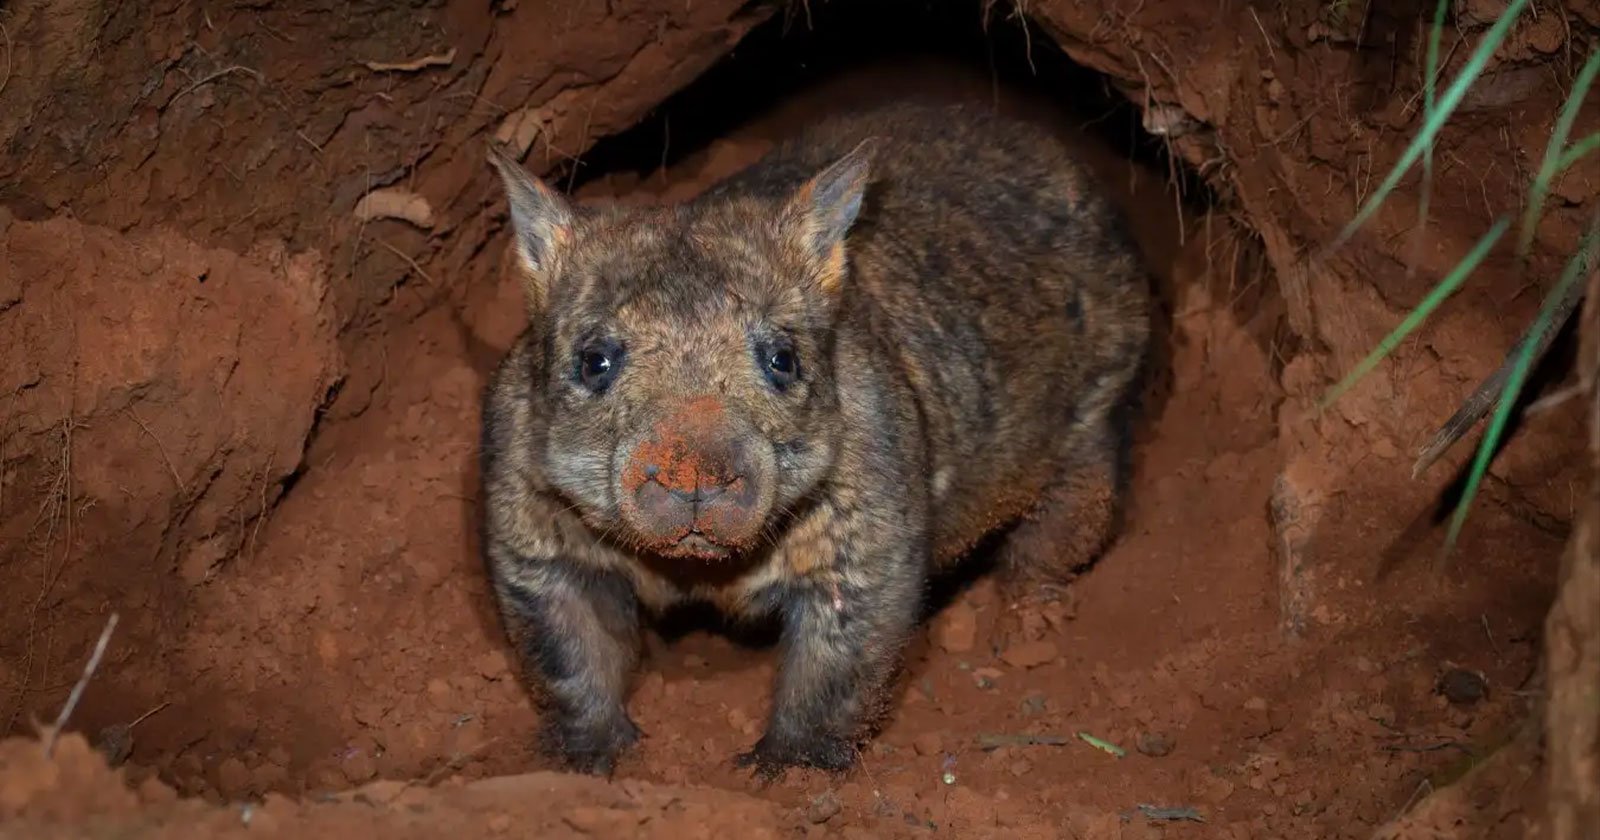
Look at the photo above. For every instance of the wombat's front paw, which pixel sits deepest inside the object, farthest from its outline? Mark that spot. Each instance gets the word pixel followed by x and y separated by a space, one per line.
pixel 590 747
pixel 772 755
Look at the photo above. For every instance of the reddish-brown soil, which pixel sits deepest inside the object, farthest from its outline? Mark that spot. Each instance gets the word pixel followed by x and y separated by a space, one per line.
pixel 246 422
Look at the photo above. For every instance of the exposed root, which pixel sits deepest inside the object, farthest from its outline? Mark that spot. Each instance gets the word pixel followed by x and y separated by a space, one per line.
pixel 10 49
pixel 160 448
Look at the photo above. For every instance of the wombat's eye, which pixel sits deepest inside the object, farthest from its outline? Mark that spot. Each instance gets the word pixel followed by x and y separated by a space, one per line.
pixel 598 364
pixel 782 365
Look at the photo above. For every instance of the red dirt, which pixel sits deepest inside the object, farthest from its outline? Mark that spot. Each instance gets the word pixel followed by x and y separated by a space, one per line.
pixel 270 474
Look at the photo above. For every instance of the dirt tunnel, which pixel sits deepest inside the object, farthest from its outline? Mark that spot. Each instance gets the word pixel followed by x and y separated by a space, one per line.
pixel 252 277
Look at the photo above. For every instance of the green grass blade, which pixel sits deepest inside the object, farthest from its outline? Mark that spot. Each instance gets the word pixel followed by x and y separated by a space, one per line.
pixel 1555 158
pixel 1436 120
pixel 1446 287
pixel 1578 150
pixel 1430 74
pixel 1575 269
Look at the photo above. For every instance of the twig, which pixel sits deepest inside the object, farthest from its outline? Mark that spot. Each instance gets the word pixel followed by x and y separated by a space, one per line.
pixel 988 743
pixel 9 50
pixel 237 68
pixel 140 719
pixel 1553 401
pixel 1156 813
pixel 1485 395
pixel 160 448
pixel 83 683
pixel 1426 748
pixel 1271 53
pixel 404 256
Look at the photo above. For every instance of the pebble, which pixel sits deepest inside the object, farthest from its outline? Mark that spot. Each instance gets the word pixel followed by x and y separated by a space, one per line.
pixel 956 630
pixel 823 808
pixel 1463 687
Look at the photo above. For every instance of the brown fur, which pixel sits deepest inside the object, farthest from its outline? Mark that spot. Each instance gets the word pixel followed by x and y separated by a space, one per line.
pixel 966 346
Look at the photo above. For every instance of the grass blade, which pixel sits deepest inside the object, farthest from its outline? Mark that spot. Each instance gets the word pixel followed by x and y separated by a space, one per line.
pixel 1578 150
pixel 1436 120
pixel 1414 319
pixel 1430 79
pixel 1555 159
pixel 1575 268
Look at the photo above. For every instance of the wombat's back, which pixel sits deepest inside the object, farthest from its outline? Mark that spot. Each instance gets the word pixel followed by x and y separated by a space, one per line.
pixel 994 274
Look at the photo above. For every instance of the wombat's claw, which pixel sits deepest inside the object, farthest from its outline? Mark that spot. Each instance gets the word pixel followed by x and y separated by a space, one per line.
pixel 591 750
pixel 770 758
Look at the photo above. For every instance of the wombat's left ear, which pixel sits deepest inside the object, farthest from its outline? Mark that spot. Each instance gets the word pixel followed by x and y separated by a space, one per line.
pixel 541 220
pixel 827 206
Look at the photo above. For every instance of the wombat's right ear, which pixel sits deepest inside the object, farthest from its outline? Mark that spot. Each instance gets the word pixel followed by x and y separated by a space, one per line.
pixel 541 218
pixel 827 206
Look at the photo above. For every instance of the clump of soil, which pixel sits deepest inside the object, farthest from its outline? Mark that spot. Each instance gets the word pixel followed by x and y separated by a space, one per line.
pixel 242 415
pixel 72 793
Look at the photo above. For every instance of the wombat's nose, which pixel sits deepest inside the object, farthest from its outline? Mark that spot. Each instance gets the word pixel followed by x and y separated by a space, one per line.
pixel 676 489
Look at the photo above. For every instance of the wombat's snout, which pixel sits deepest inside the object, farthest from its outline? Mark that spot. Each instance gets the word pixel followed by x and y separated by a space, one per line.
pixel 690 487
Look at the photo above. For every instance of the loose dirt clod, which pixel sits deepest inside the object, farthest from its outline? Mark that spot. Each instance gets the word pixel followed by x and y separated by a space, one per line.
pixel 116 740
pixel 825 806
pixel 1155 744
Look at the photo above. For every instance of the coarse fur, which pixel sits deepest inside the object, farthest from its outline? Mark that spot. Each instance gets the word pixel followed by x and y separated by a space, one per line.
pixel 965 319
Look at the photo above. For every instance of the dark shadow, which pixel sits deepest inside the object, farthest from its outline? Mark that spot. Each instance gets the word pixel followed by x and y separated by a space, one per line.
pixel 1408 546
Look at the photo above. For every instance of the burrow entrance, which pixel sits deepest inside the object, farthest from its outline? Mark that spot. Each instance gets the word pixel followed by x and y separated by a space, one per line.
pixel 329 625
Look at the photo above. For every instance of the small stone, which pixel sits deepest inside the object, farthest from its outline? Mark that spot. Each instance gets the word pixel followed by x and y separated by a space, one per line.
pixel 359 767
pixel 741 721
pixel 985 677
pixel 1030 654
pixel 1155 744
pixel 956 630
pixel 1463 687
pixel 823 808
pixel 1382 713
pixel 499 824
pixel 694 661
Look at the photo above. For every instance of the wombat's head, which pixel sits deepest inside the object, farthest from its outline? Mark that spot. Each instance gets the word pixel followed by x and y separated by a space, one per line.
pixel 686 384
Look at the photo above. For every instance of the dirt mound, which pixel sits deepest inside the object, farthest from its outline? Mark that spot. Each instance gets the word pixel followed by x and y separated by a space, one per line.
pixel 159 395
pixel 72 793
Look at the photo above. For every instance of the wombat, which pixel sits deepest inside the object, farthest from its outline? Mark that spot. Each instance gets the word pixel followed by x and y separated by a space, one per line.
pixel 797 396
